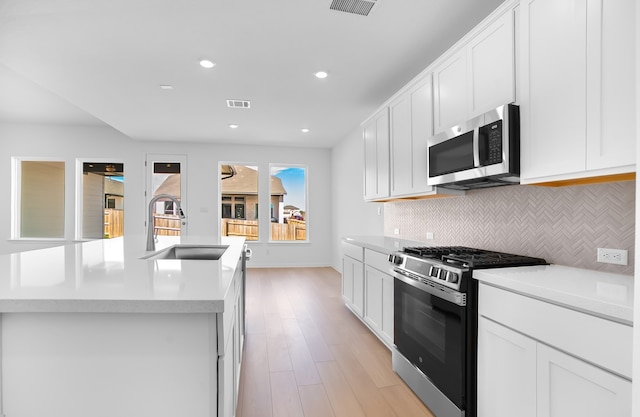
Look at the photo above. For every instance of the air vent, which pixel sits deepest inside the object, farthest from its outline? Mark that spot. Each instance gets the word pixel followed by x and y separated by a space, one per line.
pixel 239 104
pixel 361 7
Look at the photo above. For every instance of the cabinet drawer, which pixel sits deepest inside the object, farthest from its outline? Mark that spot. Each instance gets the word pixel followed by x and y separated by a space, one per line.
pixel 602 342
pixel 353 251
pixel 378 260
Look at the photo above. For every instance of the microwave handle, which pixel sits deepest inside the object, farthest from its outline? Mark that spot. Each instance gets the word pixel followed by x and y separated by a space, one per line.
pixel 476 147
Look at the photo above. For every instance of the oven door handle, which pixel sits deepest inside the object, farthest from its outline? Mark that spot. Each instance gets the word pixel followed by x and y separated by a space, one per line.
pixel 446 294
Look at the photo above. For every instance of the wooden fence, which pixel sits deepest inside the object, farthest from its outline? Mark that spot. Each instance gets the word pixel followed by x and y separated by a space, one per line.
pixel 166 224
pixel 294 230
pixel 113 223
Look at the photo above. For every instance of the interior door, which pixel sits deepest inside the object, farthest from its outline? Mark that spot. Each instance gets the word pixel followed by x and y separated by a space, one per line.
pixel 167 174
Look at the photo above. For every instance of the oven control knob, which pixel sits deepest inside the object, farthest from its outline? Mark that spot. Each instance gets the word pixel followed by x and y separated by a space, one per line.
pixel 452 277
pixel 395 259
pixel 434 272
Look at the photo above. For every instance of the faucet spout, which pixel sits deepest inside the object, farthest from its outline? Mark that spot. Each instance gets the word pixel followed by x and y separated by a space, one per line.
pixel 151 242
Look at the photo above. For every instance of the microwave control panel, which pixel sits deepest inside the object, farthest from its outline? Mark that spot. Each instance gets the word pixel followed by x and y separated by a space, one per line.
pixel 491 136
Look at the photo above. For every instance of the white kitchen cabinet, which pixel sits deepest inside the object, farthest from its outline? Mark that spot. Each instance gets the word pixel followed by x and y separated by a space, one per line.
pixel 353 277
pixel 577 88
pixel 376 156
pixel 450 91
pixel 367 288
pixel 478 77
pixel 568 386
pixel 411 124
pixel 543 360
pixel 491 66
pixel 506 372
pixel 379 303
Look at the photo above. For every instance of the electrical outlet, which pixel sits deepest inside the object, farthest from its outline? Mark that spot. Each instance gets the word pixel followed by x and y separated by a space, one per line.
pixel 396 231
pixel 613 256
pixel 429 235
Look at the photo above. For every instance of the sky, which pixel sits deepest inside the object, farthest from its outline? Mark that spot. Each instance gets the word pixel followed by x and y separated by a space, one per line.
pixel 293 180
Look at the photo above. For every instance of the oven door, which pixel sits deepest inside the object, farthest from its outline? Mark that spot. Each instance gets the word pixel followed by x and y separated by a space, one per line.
pixel 430 332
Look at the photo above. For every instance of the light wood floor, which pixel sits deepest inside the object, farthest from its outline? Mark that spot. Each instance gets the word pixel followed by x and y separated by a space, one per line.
pixel 307 355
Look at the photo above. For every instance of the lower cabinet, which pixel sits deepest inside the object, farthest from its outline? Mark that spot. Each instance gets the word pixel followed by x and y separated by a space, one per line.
pixel 231 325
pixel 519 375
pixel 506 372
pixel 353 277
pixel 367 290
pixel 378 311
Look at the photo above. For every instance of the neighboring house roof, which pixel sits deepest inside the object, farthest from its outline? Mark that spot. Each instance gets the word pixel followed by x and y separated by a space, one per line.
pixel 171 186
pixel 245 181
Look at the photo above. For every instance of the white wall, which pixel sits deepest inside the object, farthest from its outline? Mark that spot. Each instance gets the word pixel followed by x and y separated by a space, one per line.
pixel 71 142
pixel 636 298
pixel 352 216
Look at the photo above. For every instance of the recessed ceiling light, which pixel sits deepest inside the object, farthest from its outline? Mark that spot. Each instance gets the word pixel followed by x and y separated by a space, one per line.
pixel 233 126
pixel 305 130
pixel 166 87
pixel 205 63
pixel 321 74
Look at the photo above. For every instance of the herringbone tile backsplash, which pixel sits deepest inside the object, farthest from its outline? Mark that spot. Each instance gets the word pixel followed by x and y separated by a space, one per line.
pixel 564 225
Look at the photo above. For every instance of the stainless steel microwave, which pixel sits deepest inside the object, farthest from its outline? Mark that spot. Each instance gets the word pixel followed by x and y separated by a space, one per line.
pixel 482 152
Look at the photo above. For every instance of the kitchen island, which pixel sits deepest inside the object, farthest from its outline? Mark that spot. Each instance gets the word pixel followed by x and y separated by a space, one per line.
pixel 93 329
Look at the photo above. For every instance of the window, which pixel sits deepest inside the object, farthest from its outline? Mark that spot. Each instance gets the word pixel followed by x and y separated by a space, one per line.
pixel 167 176
pixel 288 200
pixel 38 195
pixel 102 208
pixel 239 200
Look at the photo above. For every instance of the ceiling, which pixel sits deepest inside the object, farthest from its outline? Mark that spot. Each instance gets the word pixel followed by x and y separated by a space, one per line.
pixel 102 62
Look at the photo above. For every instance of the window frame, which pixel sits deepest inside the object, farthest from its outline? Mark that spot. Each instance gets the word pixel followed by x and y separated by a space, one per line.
pixel 16 198
pixel 79 195
pixel 306 202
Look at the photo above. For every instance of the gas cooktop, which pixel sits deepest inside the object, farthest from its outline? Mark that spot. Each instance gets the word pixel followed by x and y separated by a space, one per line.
pixel 472 258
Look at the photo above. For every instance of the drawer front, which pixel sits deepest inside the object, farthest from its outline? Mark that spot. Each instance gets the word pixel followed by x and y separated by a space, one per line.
pixel 602 342
pixel 353 251
pixel 378 260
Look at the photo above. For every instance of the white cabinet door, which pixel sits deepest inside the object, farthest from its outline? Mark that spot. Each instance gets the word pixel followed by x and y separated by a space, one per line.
pixel 506 372
pixel 611 84
pixel 491 60
pixel 411 124
pixel 379 303
pixel 450 91
pixel 348 271
pixel 552 90
pixel 387 309
pixel 373 297
pixel 358 288
pixel 568 386
pixel 353 284
pixel 376 156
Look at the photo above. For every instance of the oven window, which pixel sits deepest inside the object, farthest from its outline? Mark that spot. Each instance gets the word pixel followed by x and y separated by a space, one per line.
pixel 452 155
pixel 426 324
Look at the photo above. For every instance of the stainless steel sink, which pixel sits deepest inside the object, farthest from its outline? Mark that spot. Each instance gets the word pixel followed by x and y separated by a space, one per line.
pixel 189 252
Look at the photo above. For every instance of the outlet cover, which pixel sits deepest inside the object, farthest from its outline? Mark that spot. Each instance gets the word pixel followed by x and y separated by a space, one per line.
pixel 613 256
pixel 396 231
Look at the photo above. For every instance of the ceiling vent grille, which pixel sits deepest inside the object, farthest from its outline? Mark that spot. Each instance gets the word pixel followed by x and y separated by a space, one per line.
pixel 239 104
pixel 361 7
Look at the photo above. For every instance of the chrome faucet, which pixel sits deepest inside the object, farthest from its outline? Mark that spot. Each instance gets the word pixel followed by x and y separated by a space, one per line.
pixel 151 238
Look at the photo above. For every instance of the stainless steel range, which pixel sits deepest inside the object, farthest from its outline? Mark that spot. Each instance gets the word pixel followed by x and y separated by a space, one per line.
pixel 435 322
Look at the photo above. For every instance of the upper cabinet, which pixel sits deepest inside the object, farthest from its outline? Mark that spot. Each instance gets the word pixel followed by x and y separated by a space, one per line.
pixel 375 132
pixel 411 124
pixel 477 77
pixel 577 88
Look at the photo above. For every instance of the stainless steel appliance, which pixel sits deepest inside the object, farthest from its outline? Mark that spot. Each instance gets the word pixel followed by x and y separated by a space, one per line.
pixel 482 152
pixel 435 322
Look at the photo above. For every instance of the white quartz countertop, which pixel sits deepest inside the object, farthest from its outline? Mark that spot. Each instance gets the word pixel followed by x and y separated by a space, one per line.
pixel 110 276
pixel 598 293
pixel 384 244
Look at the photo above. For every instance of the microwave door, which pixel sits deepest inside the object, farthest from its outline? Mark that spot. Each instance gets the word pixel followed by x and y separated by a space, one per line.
pixel 454 158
